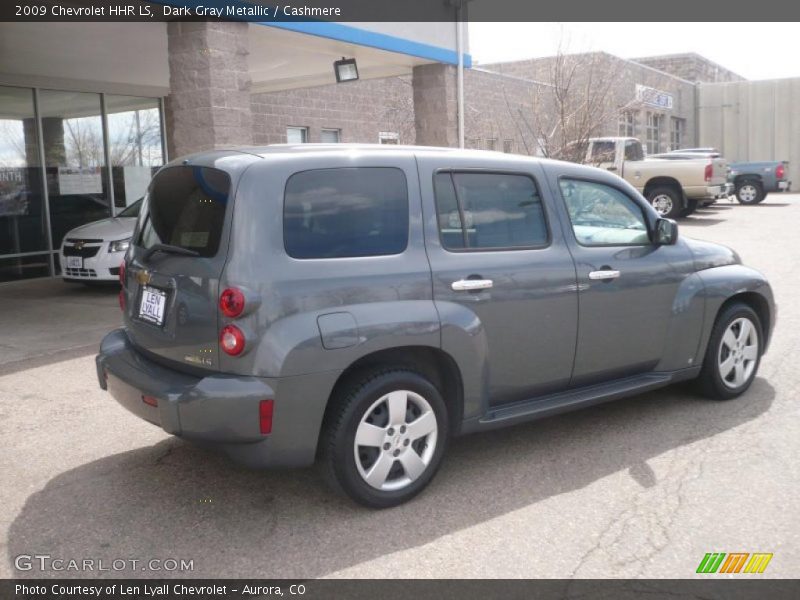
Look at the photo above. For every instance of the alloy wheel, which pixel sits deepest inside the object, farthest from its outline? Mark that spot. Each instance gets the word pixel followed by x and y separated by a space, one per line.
pixel 748 193
pixel 662 203
pixel 738 353
pixel 395 440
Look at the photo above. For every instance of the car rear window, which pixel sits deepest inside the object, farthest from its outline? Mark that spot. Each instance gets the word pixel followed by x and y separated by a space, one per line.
pixel 346 212
pixel 186 208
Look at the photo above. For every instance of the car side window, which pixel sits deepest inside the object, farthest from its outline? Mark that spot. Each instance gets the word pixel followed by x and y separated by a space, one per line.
pixel 489 211
pixel 602 215
pixel 633 150
pixel 603 152
pixel 346 212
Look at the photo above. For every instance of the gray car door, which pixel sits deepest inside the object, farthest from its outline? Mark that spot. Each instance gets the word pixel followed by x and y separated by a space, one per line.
pixel 503 279
pixel 627 284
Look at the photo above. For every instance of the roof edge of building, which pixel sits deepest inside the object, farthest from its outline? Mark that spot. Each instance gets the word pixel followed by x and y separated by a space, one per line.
pixel 487 66
pixel 687 55
pixel 512 77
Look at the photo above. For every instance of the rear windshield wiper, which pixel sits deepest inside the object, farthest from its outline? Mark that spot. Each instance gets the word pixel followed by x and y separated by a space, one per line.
pixel 168 248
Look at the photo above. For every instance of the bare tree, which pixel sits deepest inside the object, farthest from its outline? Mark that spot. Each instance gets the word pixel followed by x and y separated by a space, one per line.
pixel 574 102
pixel 12 143
pixel 397 110
pixel 135 138
pixel 83 140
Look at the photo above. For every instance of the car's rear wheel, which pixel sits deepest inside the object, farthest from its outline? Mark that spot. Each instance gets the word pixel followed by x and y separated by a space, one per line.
pixel 750 192
pixel 385 437
pixel 666 201
pixel 733 354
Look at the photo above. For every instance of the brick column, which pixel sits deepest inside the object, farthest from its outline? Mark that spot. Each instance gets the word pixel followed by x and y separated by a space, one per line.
pixel 209 102
pixel 435 105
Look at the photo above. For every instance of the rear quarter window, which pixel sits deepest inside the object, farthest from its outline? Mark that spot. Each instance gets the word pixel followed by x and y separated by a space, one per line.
pixel 186 208
pixel 346 212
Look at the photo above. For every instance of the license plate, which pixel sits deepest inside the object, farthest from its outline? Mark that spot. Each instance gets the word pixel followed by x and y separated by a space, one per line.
pixel 74 262
pixel 152 306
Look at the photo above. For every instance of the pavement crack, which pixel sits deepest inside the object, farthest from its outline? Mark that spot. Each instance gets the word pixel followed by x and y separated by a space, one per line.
pixel 164 455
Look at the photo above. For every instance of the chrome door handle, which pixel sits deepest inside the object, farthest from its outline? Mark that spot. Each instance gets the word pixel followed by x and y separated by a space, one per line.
pixel 606 274
pixel 468 285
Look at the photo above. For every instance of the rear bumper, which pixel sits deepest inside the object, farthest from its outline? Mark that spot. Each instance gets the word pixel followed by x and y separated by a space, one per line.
pixel 784 186
pixel 709 192
pixel 219 410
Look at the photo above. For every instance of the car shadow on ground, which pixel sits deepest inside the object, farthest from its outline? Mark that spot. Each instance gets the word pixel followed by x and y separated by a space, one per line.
pixel 700 220
pixel 769 205
pixel 721 205
pixel 175 500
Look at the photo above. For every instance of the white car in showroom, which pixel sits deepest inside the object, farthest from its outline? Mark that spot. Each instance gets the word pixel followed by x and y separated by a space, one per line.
pixel 93 252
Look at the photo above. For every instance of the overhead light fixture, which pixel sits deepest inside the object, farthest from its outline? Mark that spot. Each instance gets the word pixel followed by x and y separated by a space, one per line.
pixel 346 70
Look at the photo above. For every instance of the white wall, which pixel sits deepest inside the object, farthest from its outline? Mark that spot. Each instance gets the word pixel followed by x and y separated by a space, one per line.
pixel 753 120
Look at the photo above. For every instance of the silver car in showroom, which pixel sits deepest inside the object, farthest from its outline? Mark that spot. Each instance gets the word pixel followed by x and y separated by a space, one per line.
pixel 93 252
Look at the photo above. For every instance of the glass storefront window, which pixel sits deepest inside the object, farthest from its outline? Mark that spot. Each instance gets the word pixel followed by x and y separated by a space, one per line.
pixel 134 141
pixel 70 126
pixel 22 217
pixel 24 267
pixel 72 134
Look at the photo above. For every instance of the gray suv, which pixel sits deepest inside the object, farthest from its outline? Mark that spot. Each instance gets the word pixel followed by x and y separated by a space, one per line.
pixel 359 305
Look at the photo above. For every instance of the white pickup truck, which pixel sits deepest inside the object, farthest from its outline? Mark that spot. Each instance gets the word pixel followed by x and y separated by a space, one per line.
pixel 674 187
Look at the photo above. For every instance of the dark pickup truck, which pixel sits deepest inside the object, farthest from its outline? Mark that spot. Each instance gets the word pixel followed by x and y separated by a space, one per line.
pixel 752 181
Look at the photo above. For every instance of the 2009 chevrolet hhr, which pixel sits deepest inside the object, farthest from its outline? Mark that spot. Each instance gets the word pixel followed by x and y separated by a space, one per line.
pixel 358 305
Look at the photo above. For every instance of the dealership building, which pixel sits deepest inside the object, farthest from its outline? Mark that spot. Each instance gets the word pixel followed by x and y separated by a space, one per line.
pixel 88 111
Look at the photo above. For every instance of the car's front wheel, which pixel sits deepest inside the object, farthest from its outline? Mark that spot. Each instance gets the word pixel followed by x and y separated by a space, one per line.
pixel 385 437
pixel 733 354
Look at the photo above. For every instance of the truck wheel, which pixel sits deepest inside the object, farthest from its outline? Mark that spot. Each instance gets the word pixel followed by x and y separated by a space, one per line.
pixel 691 206
pixel 750 192
pixel 385 437
pixel 666 201
pixel 733 353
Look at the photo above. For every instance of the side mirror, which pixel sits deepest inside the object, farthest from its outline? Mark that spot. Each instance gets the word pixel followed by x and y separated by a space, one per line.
pixel 666 232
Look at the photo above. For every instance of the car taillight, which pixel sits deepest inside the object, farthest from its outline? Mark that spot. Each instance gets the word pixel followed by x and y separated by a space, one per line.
pixel 231 339
pixel 709 171
pixel 265 410
pixel 780 171
pixel 122 300
pixel 231 302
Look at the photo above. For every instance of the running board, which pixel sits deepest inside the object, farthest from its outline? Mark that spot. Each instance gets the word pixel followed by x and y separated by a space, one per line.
pixel 545 406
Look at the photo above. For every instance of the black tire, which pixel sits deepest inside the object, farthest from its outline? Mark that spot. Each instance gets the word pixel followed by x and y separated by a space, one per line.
pixel 749 192
pixel 338 450
pixel 661 195
pixel 691 206
pixel 711 381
